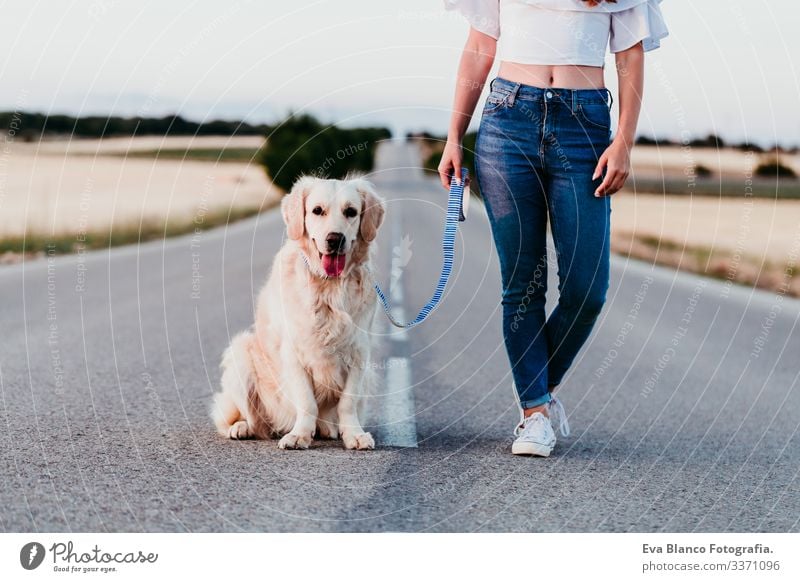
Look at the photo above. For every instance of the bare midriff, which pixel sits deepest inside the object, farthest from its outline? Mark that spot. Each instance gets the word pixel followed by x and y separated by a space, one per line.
pixel 561 76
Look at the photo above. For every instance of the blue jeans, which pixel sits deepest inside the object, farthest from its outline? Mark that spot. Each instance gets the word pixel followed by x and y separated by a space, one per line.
pixel 536 152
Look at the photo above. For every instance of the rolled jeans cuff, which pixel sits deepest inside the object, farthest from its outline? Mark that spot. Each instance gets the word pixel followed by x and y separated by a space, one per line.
pixel 525 404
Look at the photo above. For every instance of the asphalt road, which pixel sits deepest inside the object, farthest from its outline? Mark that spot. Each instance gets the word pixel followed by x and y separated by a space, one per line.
pixel 684 404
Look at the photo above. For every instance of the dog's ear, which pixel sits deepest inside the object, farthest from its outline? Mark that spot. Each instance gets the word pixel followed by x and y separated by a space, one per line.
pixel 372 210
pixel 293 208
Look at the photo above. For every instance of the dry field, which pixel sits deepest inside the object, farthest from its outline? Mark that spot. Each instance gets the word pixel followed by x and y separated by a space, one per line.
pixel 652 160
pixel 68 187
pixel 748 239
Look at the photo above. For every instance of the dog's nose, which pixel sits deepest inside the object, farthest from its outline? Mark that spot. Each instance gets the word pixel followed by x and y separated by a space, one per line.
pixel 335 241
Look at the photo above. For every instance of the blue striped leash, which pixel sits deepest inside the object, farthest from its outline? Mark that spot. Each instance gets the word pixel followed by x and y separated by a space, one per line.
pixel 456 212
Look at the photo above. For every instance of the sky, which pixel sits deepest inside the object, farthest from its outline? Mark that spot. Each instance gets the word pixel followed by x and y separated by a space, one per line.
pixel 729 67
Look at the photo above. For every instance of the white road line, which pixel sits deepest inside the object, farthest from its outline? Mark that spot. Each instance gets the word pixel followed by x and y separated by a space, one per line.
pixel 396 295
pixel 398 419
pixel 395 419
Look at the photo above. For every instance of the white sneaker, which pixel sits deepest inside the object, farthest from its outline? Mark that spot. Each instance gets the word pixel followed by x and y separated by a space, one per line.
pixel 558 416
pixel 535 436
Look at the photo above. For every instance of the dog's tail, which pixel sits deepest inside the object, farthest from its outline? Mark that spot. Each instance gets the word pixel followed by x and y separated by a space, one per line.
pixel 230 404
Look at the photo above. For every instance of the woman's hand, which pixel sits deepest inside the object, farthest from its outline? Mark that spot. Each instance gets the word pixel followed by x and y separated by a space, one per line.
pixel 617 158
pixel 452 159
pixel 617 162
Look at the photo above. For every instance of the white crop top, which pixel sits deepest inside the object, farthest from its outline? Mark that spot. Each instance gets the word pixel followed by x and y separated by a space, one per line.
pixel 564 32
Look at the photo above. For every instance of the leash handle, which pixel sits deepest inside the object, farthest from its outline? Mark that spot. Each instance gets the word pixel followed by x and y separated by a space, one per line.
pixel 456 212
pixel 462 213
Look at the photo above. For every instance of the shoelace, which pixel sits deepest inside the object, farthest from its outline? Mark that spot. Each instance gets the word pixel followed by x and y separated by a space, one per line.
pixel 558 415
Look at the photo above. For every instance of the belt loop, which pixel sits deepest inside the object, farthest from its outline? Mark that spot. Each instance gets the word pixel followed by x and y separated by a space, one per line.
pixel 611 98
pixel 574 101
pixel 513 95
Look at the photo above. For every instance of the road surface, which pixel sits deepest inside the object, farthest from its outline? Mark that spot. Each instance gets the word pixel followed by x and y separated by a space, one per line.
pixel 684 404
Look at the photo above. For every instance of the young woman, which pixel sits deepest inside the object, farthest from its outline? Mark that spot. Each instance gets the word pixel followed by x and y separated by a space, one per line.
pixel 544 150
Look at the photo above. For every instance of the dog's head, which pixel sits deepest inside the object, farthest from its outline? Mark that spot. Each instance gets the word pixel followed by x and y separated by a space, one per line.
pixel 331 219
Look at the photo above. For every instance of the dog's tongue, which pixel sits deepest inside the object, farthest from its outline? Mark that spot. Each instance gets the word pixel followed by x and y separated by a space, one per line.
pixel 333 264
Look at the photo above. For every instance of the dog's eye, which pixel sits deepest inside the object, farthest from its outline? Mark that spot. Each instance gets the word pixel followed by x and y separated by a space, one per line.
pixel 350 212
pixel 317 210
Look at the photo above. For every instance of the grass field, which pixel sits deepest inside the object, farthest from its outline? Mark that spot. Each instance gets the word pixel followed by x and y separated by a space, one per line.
pixel 781 277
pixel 771 188
pixel 120 234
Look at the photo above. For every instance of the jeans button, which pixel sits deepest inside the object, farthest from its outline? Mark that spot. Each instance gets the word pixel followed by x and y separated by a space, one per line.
pixel 549 94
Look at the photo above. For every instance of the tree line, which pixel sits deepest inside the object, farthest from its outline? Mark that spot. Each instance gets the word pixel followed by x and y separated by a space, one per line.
pixel 33 126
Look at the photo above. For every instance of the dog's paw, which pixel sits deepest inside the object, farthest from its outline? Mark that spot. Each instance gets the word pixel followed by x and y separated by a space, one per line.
pixel 360 441
pixel 239 430
pixel 295 441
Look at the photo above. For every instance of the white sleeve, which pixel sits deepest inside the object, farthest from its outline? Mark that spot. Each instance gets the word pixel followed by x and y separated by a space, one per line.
pixel 644 22
pixel 482 15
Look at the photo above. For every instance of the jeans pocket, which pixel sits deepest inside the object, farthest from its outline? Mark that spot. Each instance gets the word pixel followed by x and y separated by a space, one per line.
pixel 495 101
pixel 595 115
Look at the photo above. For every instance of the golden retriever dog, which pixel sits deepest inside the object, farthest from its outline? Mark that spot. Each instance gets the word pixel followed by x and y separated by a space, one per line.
pixel 304 366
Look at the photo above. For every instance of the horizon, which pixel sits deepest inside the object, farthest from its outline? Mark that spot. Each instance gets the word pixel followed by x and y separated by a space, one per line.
pixel 366 64
pixel 662 141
